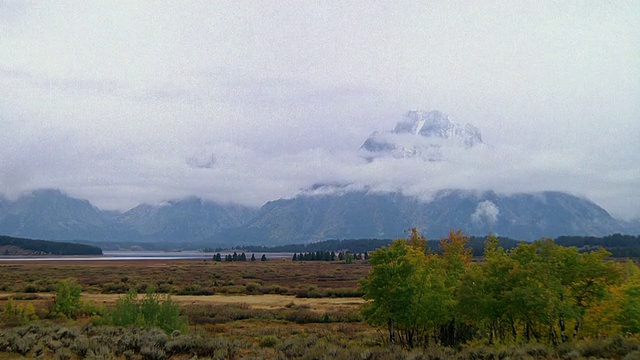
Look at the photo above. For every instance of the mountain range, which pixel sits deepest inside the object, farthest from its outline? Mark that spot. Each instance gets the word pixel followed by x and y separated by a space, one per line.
pixel 53 215
pixel 328 211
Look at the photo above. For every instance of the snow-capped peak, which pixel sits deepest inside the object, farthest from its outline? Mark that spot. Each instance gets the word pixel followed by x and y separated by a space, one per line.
pixel 423 134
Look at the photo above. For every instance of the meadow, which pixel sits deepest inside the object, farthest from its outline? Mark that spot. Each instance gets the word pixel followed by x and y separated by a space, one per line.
pixel 277 309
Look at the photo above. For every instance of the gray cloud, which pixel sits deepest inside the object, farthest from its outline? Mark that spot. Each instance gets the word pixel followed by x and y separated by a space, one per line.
pixel 129 102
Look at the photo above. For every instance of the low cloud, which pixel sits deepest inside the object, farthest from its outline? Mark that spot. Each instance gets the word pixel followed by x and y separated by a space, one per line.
pixel 127 103
pixel 486 214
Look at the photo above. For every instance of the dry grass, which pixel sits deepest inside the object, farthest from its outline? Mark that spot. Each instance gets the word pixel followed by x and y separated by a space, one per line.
pixel 266 301
pixel 187 277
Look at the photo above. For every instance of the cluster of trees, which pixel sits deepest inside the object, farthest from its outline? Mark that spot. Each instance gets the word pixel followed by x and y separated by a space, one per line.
pixel 536 291
pixel 330 256
pixel 360 246
pixel 237 257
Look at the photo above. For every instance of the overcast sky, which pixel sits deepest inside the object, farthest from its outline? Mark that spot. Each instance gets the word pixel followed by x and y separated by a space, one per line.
pixel 128 102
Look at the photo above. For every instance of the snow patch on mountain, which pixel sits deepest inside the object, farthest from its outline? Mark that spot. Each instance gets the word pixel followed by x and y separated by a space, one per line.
pixel 202 160
pixel 421 134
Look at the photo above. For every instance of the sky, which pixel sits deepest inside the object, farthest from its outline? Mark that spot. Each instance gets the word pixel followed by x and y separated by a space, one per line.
pixel 125 102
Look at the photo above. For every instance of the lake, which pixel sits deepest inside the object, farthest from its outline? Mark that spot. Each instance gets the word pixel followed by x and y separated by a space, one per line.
pixel 142 255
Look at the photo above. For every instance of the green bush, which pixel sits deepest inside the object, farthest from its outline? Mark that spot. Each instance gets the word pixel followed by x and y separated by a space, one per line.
pixel 151 311
pixel 269 341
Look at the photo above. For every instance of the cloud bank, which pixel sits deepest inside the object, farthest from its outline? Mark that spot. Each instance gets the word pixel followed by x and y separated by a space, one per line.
pixel 123 103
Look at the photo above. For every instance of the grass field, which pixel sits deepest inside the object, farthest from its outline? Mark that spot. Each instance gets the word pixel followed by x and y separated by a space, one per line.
pixel 235 310
pixel 188 277
pixel 257 304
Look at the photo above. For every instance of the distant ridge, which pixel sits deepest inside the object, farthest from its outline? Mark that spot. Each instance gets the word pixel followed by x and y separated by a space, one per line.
pixel 53 215
pixel 18 246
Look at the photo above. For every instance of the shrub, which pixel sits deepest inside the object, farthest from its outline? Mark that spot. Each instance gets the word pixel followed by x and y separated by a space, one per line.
pixel 304 316
pixel 151 311
pixel 634 355
pixel 152 353
pixel 64 354
pixel 253 287
pixel 269 341
pixel 615 347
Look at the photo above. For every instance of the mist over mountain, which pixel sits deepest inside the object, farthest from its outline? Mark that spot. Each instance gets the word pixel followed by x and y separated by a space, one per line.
pixel 185 220
pixel 50 214
pixel 390 215
pixel 330 210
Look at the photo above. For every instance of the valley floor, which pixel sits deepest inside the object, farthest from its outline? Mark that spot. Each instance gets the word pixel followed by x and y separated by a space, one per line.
pixel 256 310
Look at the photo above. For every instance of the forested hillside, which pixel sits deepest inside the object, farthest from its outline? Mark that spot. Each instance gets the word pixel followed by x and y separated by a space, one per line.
pixel 19 246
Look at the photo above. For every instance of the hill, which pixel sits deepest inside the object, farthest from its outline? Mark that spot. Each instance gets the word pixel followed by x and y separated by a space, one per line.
pixel 18 246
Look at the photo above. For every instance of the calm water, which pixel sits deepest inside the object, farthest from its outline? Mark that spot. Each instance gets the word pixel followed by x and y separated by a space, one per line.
pixel 142 255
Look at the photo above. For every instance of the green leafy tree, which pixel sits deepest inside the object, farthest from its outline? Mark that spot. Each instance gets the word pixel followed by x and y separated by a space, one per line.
pixel 67 300
pixel 536 291
pixel 395 291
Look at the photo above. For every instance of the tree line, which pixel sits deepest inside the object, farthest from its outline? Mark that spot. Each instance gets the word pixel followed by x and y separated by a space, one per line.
pixel 237 257
pixel 45 247
pixel 330 256
pixel 610 241
pixel 618 244
pixel 360 246
pixel 536 291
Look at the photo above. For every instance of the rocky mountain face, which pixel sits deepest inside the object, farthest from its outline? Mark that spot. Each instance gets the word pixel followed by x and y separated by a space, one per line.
pixel 426 135
pixel 184 220
pixel 52 215
pixel 390 215
pixel 49 214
